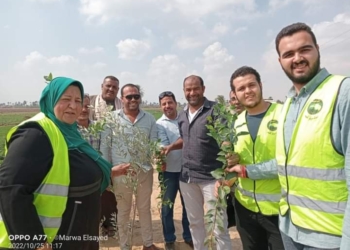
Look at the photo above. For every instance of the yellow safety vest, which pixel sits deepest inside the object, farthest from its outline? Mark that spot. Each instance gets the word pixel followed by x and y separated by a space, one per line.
pixel 51 196
pixel 312 172
pixel 258 195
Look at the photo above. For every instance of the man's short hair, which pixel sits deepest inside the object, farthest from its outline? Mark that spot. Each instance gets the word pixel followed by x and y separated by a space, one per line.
pixel 166 93
pixel 243 71
pixel 129 85
pixel 86 95
pixel 291 30
pixel 194 76
pixel 113 78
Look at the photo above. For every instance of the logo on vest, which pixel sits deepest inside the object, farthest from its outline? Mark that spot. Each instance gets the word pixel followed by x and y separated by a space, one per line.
pixel 272 125
pixel 315 107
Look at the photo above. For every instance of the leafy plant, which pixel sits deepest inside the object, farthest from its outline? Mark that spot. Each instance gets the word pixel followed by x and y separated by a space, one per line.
pixel 221 128
pixel 159 162
pixel 129 142
pixel 48 78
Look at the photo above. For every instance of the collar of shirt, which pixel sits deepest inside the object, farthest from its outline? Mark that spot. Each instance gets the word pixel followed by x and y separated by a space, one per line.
pixel 311 85
pixel 121 113
pixel 165 118
pixel 206 104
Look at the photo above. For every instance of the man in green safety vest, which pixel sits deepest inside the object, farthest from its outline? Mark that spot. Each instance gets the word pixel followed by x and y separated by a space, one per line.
pixel 258 190
pixel 313 147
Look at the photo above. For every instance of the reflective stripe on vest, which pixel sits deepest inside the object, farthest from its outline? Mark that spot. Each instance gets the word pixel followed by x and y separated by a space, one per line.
pixel 258 195
pixel 50 198
pixel 312 173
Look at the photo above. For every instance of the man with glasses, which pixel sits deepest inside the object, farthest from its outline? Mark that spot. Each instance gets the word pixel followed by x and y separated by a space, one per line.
pixel 108 97
pixel 129 117
pixel 168 134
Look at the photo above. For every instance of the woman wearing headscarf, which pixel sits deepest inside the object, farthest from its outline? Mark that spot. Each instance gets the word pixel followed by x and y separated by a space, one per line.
pixel 51 178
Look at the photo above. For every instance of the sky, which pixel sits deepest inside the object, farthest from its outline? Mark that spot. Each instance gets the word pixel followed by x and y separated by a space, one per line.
pixel 157 43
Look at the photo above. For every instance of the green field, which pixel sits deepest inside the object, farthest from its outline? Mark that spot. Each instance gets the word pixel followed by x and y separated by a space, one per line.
pixel 12 118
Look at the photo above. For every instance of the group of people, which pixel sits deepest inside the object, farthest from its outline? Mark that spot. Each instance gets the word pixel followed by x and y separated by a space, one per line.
pixel 293 165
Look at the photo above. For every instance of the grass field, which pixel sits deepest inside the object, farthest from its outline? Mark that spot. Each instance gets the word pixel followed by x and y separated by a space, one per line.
pixel 10 117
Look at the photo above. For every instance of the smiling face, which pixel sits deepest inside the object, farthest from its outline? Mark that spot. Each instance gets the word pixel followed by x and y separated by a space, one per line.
pixel 110 89
pixel 131 98
pixel 168 106
pixel 194 92
pixel 69 106
pixel 299 57
pixel 248 90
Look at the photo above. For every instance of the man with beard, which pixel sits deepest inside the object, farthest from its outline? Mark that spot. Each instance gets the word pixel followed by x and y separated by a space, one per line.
pixel 99 103
pixel 133 121
pixel 258 191
pixel 168 134
pixel 108 97
pixel 313 147
pixel 198 159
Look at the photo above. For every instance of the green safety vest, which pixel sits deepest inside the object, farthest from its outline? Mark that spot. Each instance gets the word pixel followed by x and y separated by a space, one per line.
pixel 258 195
pixel 311 172
pixel 51 196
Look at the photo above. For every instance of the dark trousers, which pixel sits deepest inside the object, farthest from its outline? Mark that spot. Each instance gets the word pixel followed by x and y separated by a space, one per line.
pixel 257 231
pixel 108 207
pixel 171 181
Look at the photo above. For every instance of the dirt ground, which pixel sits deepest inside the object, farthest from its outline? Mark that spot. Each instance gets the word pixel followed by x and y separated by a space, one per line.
pixel 112 243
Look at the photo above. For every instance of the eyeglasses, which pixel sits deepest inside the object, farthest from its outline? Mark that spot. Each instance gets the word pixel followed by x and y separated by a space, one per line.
pixel 166 93
pixel 130 97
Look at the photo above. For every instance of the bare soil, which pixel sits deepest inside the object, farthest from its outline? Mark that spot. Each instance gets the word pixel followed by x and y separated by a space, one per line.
pixel 112 243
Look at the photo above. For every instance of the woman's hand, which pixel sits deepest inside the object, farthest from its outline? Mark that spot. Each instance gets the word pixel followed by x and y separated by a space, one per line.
pixel 120 169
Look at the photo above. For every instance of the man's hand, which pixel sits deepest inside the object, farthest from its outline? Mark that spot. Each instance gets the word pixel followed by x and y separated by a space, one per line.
pixel 232 159
pixel 166 149
pixel 239 169
pixel 218 184
pixel 120 169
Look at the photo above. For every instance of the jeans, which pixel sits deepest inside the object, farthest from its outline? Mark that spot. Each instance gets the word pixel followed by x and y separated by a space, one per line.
pixel 290 244
pixel 171 181
pixel 257 231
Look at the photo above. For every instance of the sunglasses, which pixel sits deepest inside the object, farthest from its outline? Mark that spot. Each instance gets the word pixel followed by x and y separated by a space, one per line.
pixel 166 93
pixel 130 97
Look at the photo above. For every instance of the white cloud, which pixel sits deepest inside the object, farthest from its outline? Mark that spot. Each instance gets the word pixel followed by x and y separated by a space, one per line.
pixel 165 65
pixel 200 8
pixel 103 10
pixel 61 59
pixel 37 59
pixel 188 43
pixel 216 59
pixel 94 50
pixel 133 49
pixel 333 38
pixel 239 30
pixel 220 29
pixel 6 26
pixel 45 1
pixel 311 4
